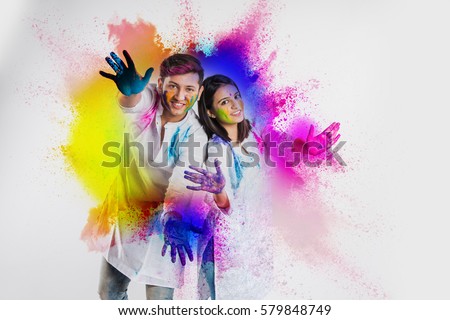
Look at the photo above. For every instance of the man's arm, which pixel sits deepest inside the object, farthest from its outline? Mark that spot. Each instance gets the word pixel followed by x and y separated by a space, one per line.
pixel 129 101
pixel 128 80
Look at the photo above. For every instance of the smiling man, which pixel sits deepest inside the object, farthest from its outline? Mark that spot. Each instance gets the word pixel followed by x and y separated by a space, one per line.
pixel 149 209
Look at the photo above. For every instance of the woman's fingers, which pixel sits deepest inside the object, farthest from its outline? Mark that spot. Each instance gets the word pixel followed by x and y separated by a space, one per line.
pixel 194 179
pixel 181 254
pixel 130 62
pixel 193 174
pixel 195 188
pixel 189 252
pixel 217 165
pixel 200 170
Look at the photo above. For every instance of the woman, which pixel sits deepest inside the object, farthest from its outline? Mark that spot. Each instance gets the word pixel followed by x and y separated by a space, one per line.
pixel 238 259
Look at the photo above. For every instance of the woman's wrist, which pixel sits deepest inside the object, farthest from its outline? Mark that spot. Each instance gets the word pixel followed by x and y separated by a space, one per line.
pixel 221 199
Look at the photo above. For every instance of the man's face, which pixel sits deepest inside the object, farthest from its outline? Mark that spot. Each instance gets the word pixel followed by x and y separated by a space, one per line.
pixel 179 93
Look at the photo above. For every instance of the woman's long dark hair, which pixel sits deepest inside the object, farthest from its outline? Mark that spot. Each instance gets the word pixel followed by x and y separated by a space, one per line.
pixel 211 125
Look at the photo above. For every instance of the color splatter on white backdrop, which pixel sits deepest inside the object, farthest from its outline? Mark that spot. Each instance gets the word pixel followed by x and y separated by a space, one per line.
pixel 382 71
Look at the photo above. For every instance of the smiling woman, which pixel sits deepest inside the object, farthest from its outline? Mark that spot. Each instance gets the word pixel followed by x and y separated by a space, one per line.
pixel 241 219
pixel 222 109
pixel 228 105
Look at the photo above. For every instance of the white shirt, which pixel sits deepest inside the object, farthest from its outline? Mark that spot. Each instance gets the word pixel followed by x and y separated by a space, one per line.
pixel 243 248
pixel 151 179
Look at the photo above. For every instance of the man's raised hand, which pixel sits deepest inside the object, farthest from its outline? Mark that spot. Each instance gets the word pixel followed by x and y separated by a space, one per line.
pixel 127 79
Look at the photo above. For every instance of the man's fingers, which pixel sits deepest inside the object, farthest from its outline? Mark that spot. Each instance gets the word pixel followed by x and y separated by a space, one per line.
pixel 130 62
pixel 118 61
pixel 107 75
pixel 164 249
pixel 188 249
pixel 181 254
pixel 147 75
pixel 173 252
pixel 200 170
pixel 113 65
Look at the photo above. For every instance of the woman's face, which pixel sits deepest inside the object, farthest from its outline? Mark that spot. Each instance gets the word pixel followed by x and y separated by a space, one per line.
pixel 228 107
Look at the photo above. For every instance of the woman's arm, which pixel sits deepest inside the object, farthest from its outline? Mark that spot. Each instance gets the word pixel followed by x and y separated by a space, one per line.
pixel 222 200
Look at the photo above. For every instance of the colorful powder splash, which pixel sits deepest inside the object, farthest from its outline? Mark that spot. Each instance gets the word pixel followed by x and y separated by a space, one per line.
pixel 237 54
pixel 234 54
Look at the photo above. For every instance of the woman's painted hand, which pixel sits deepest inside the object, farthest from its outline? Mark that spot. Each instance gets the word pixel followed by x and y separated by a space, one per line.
pixel 207 181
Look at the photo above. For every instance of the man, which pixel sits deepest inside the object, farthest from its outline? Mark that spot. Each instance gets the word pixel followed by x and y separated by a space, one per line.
pixel 149 207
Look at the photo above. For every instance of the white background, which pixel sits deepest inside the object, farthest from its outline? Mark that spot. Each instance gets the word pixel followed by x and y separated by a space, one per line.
pixel 384 69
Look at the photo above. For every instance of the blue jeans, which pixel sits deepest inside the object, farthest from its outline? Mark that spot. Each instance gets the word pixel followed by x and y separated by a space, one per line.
pixel 114 285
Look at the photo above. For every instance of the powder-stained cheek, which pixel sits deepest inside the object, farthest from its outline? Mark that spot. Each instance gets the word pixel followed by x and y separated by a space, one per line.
pixel 191 102
pixel 222 116
pixel 167 97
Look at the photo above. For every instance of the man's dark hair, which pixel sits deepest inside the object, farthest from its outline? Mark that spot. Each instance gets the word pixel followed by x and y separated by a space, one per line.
pixel 181 63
